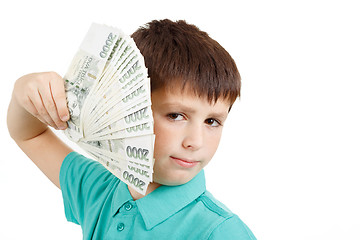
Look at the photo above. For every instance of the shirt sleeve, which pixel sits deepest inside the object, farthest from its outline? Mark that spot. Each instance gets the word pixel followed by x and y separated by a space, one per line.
pixel 84 183
pixel 232 228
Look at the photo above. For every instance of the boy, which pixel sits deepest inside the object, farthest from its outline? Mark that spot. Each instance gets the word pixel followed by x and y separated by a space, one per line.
pixel 194 83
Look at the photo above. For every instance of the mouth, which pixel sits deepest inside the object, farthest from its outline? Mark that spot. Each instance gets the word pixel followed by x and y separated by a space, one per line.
pixel 186 163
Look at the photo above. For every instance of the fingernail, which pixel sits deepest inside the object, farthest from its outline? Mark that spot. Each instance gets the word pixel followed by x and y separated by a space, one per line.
pixel 62 127
pixel 64 118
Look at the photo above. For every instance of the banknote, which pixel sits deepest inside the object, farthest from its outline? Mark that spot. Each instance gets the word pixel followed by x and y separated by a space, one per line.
pixel 109 99
pixel 137 149
pixel 116 105
pixel 85 68
pixel 125 173
pixel 120 76
pixel 134 115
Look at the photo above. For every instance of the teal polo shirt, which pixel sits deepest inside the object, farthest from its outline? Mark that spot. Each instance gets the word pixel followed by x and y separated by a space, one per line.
pixel 103 206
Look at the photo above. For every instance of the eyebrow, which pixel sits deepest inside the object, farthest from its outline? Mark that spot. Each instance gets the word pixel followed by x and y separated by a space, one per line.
pixel 178 105
pixel 219 115
pixel 185 108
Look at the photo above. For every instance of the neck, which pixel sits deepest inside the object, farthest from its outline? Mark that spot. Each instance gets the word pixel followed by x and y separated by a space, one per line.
pixel 135 195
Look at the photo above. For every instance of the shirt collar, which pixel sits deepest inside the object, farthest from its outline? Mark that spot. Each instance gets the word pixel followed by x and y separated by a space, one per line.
pixel 121 196
pixel 165 201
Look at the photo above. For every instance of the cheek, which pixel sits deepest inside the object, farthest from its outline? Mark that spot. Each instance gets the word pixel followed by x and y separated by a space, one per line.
pixel 163 136
pixel 212 142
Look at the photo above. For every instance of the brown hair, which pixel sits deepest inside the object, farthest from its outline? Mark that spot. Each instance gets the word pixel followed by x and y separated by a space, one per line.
pixel 180 53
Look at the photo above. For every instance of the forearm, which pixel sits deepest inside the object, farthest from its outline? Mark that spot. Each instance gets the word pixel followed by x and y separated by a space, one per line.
pixel 37 102
pixel 21 124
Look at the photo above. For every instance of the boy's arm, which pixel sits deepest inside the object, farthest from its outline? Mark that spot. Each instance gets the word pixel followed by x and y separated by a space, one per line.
pixel 39 101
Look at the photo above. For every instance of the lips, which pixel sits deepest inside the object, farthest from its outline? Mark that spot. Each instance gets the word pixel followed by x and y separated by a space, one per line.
pixel 185 162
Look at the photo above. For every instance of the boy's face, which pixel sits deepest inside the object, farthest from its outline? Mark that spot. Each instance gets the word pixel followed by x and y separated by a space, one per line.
pixel 188 130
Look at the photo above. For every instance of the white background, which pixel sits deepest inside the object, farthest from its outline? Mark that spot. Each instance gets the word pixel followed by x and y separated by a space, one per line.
pixel 288 160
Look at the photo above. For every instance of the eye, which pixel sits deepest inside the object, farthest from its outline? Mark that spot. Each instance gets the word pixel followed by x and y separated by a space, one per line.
pixel 175 116
pixel 212 122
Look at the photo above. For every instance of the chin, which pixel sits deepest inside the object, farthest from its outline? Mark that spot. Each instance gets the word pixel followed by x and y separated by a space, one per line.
pixel 175 179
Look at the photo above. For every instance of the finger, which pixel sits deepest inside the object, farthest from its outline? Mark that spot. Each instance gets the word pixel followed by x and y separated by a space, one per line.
pixel 57 89
pixel 29 106
pixel 49 104
pixel 30 100
pixel 41 112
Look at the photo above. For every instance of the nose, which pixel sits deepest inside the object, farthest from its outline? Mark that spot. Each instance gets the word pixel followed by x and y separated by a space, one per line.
pixel 193 138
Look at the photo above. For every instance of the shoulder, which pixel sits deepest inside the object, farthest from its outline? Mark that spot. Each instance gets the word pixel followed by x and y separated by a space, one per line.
pixel 85 183
pixel 77 163
pixel 79 169
pixel 226 224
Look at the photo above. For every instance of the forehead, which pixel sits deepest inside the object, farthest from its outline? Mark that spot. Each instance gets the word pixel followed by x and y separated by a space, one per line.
pixel 187 99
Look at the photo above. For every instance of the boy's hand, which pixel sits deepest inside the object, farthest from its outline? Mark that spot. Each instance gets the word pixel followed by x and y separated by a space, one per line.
pixel 43 95
pixel 39 101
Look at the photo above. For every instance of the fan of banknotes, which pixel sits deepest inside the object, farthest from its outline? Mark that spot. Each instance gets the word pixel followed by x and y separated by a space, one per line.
pixel 108 94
